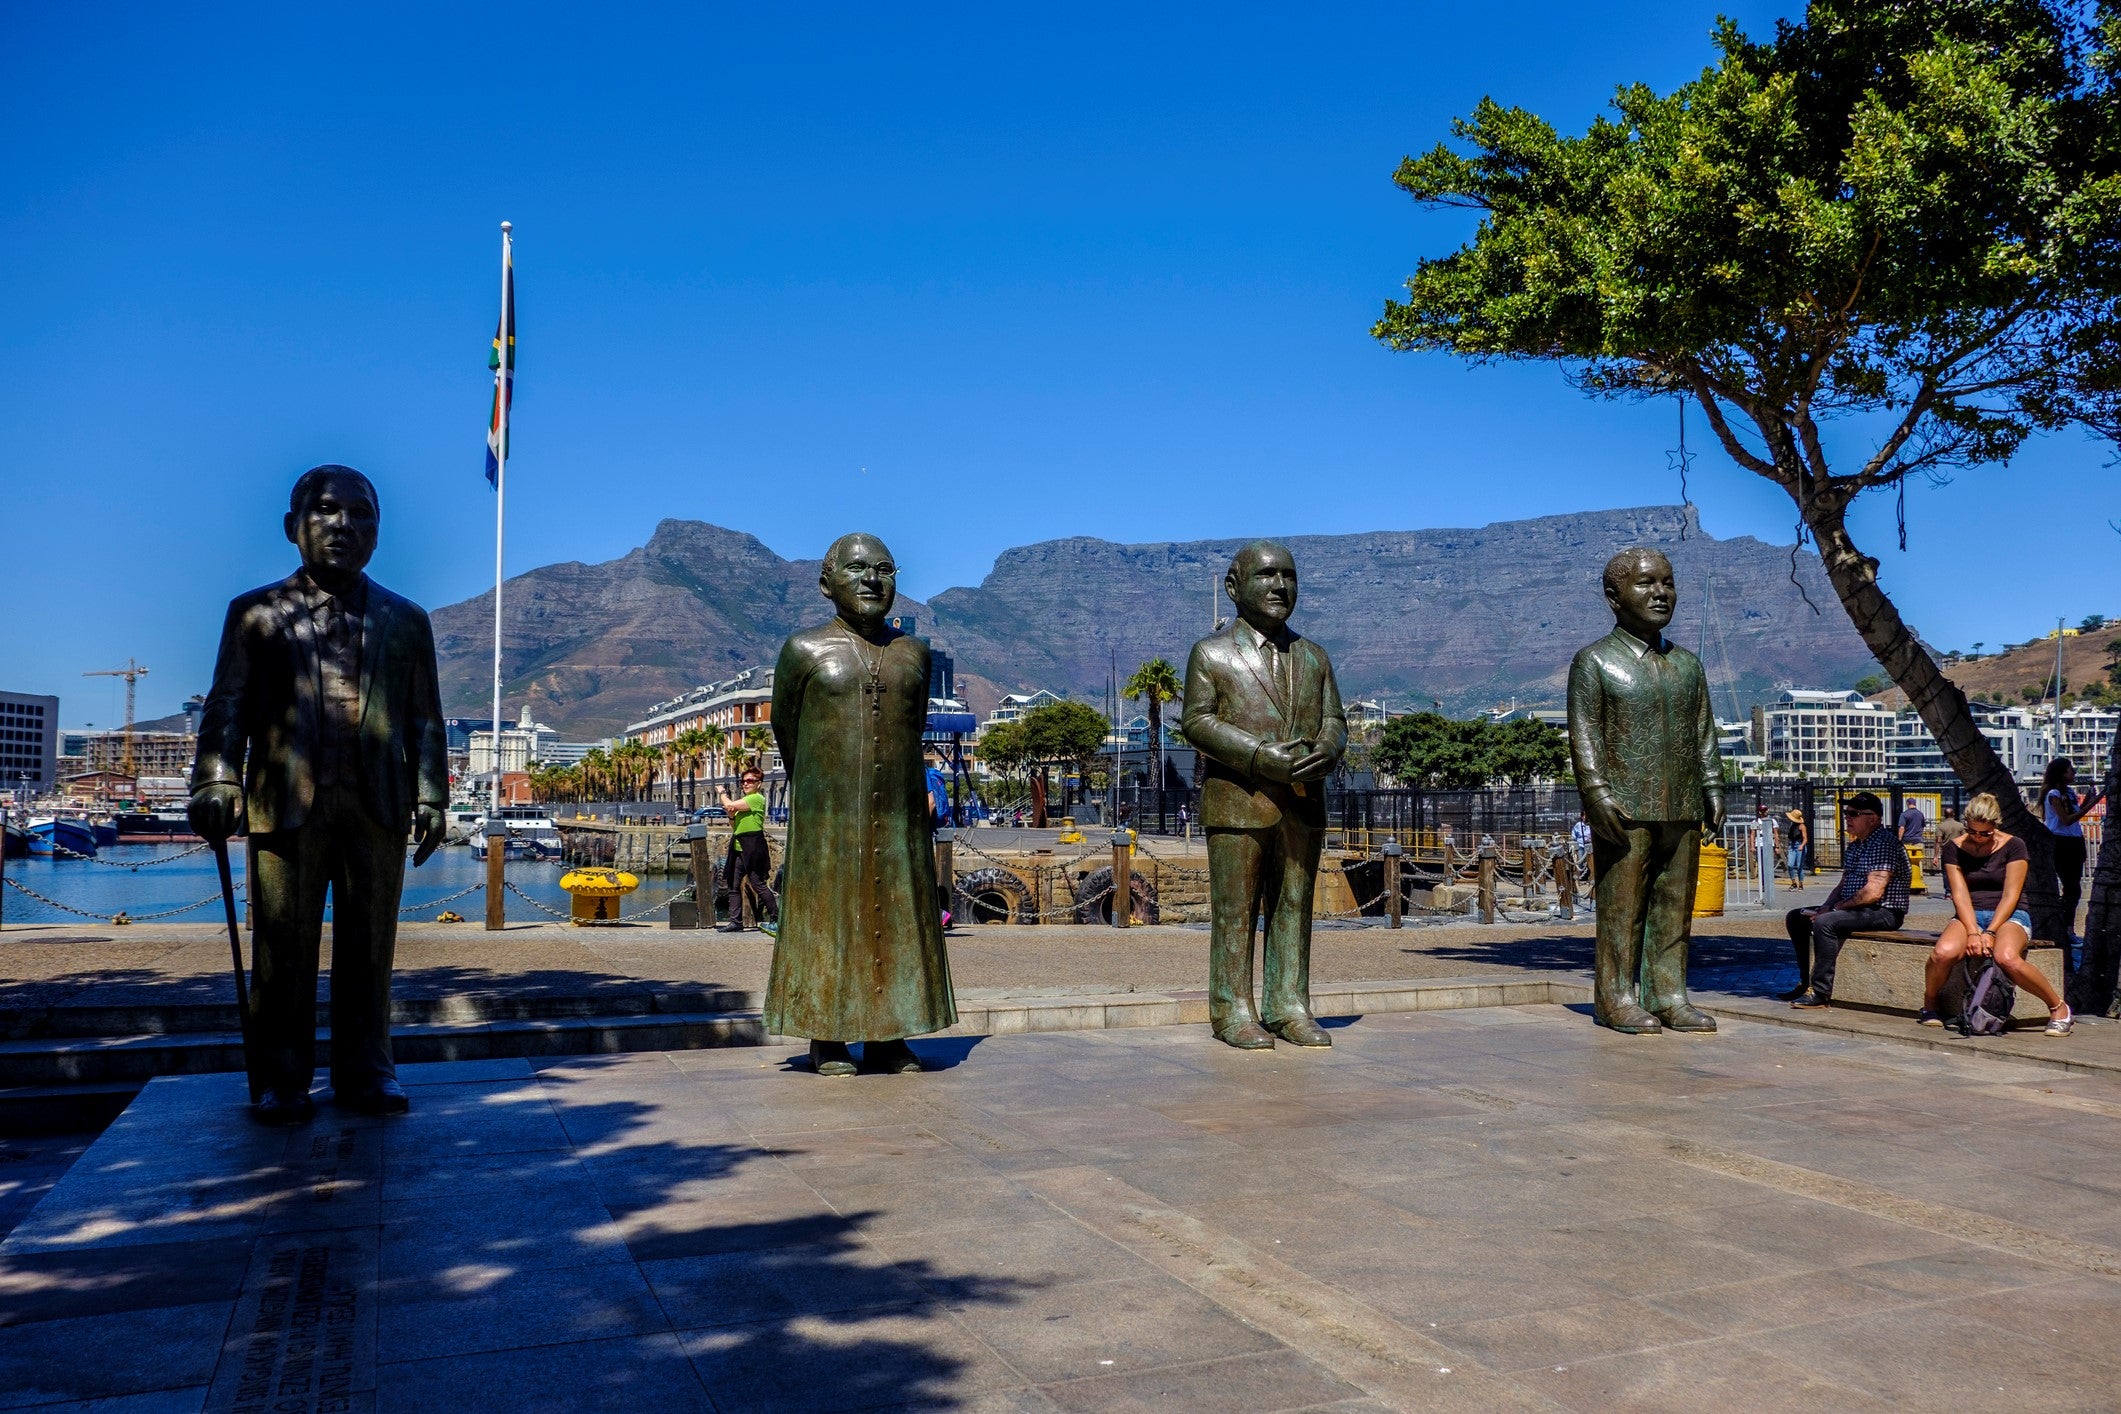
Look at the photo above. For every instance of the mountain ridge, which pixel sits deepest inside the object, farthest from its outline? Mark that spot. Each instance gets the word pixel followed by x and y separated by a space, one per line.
pixel 1461 616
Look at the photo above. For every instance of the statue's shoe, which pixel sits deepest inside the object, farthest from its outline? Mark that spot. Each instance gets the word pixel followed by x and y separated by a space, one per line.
pixel 1301 1031
pixel 890 1057
pixel 1630 1021
pixel 283 1105
pixel 1246 1036
pixel 1686 1017
pixel 378 1097
pixel 831 1058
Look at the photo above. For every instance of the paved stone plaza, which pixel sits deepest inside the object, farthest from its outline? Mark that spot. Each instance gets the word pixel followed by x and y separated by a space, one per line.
pixel 1455 1209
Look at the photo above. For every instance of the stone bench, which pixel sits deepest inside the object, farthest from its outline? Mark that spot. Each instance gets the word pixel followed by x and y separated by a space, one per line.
pixel 1883 968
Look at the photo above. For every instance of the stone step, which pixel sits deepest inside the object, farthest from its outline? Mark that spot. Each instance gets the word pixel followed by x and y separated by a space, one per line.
pixel 64 1060
pixel 183 1018
pixel 673 1026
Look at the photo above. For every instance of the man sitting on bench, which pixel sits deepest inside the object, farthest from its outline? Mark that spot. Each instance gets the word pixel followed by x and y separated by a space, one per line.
pixel 1872 896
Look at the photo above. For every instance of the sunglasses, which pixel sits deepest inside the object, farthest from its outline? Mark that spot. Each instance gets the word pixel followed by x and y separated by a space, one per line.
pixel 1974 834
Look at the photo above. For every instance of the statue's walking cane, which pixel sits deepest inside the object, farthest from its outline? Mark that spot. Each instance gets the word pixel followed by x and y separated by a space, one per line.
pixel 235 952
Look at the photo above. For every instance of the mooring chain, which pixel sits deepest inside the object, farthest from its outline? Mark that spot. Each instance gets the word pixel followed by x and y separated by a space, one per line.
pixel 438 902
pixel 59 850
pixel 119 917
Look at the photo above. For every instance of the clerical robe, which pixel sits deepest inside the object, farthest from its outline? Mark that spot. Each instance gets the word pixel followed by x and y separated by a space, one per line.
pixel 860 953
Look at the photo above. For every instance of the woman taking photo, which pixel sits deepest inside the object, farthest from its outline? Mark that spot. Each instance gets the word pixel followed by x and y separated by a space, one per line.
pixel 2065 810
pixel 1986 870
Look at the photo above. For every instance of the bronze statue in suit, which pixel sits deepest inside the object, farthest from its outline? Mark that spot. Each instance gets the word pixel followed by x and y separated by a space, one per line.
pixel 1263 710
pixel 323 737
pixel 1644 745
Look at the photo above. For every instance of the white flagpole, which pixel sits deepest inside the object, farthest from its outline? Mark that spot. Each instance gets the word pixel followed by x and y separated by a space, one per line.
pixel 503 388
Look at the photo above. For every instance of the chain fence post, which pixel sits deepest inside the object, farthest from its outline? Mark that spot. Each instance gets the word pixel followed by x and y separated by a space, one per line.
pixel 496 875
pixel 1487 883
pixel 1122 880
pixel 1395 902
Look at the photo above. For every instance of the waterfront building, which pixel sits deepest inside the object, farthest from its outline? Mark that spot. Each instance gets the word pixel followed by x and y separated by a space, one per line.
pixel 1830 735
pixel 1014 705
pixel 29 743
pixel 2020 739
pixel 522 746
pixel 154 753
pixel 741 706
pixel 2087 738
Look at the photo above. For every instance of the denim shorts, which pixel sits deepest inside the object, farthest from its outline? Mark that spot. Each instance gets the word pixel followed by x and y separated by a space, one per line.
pixel 1984 917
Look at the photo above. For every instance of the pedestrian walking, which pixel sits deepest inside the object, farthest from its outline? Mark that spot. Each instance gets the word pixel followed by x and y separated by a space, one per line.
pixel 1799 840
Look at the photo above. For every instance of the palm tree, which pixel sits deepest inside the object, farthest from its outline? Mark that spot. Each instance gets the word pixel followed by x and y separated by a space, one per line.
pixel 1155 683
pixel 688 749
pixel 596 770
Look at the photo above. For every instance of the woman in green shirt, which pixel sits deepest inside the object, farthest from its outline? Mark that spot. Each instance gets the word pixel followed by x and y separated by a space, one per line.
pixel 748 860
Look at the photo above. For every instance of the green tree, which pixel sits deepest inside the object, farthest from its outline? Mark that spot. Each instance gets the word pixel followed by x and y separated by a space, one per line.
pixel 2113 661
pixel 1001 748
pixel 1526 750
pixel 1870 685
pixel 1063 734
pixel 1428 749
pixel 1155 683
pixel 1902 213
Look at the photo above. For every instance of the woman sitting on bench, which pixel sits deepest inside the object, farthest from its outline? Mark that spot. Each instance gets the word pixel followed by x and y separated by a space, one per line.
pixel 1986 870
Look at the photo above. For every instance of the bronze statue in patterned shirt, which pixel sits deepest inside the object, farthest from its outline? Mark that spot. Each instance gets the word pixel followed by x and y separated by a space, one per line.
pixel 1644 744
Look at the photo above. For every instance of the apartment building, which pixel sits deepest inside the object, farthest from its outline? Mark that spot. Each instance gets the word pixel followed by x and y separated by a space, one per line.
pixel 1830 735
pixel 29 743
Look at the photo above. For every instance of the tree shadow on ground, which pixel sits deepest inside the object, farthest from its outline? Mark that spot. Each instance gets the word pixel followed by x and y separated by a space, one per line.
pixel 532 1223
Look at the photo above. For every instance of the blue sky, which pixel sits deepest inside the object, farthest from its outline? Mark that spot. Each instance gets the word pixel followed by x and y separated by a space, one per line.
pixel 964 277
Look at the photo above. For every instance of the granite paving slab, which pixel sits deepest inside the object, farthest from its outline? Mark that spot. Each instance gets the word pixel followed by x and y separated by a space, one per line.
pixel 1505 1208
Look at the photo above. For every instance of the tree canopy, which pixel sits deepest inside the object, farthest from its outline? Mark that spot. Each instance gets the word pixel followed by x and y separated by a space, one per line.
pixel 1426 749
pixel 1907 214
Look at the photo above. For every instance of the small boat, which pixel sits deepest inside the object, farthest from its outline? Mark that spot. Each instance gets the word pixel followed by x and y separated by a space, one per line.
pixel 55 837
pixel 465 821
pixel 531 834
pixel 14 841
pixel 106 832
pixel 155 827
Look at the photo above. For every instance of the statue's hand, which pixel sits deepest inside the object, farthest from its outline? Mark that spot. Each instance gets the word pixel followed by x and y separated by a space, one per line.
pixel 1712 812
pixel 1605 820
pixel 216 811
pixel 1276 761
pixel 1315 764
pixel 429 829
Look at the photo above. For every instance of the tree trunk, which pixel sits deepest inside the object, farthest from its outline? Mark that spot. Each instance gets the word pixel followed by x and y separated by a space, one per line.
pixel 1941 705
pixel 2102 925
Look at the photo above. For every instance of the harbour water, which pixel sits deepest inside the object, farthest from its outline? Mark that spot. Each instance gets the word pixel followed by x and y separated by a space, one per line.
pixel 100 888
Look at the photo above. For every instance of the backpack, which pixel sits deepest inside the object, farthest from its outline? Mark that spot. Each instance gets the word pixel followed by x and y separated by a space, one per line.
pixel 1977 998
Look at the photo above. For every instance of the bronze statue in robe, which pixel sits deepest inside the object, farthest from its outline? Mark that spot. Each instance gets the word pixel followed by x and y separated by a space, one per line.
pixel 1263 710
pixel 1643 740
pixel 323 736
pixel 860 954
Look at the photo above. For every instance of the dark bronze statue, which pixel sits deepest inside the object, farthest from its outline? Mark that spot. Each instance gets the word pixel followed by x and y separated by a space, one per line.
pixel 323 737
pixel 1644 743
pixel 1264 712
pixel 860 953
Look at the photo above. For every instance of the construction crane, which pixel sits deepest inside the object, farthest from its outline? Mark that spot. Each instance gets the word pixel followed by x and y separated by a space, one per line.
pixel 132 672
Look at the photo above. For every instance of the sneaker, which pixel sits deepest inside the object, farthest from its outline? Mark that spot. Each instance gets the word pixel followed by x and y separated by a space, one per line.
pixel 2060 1025
pixel 1926 1017
pixel 1812 1001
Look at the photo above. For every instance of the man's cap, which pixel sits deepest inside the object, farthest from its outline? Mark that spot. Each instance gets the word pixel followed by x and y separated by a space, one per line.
pixel 1861 802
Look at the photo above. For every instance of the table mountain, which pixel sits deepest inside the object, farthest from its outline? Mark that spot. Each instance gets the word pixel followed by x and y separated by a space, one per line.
pixel 1468 618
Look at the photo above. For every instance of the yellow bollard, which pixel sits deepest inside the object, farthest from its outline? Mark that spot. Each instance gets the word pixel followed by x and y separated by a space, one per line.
pixel 1709 888
pixel 1915 883
pixel 595 893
